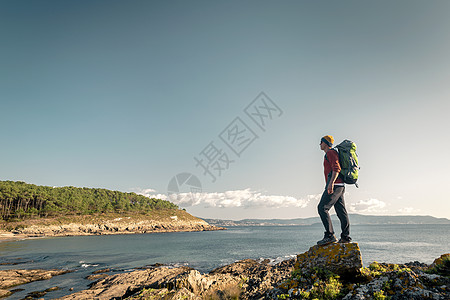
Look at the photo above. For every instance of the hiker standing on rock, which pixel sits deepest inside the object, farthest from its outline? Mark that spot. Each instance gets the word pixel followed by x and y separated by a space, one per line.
pixel 333 195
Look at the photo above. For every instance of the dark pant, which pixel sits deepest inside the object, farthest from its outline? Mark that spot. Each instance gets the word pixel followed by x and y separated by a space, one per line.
pixel 326 203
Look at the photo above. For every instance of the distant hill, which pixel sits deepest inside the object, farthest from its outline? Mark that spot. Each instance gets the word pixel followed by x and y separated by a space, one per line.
pixel 20 200
pixel 355 219
pixel 32 210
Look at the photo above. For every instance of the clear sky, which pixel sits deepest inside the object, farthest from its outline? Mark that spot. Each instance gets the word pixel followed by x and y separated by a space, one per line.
pixel 126 95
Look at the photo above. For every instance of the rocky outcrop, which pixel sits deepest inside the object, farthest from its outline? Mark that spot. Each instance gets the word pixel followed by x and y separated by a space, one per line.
pixel 159 281
pixel 127 284
pixel 247 279
pixel 399 282
pixel 116 226
pixel 294 279
pixel 441 265
pixel 341 259
pixel 335 272
pixel 11 278
pixel 310 276
pixel 258 278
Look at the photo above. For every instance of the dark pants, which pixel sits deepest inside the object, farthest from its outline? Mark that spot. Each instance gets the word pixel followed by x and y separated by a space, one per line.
pixel 337 200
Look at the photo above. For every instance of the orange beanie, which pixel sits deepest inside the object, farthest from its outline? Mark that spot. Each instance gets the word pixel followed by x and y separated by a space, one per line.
pixel 328 139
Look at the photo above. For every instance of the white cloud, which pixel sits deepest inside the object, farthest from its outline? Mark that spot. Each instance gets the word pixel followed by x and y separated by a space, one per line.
pixel 150 193
pixel 364 206
pixel 238 198
pixel 408 210
pixel 147 191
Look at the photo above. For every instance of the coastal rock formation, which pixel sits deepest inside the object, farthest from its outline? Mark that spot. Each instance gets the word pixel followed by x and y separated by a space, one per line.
pixel 441 265
pixel 116 226
pixel 182 281
pixel 258 278
pixel 400 282
pixel 11 278
pixel 378 281
pixel 342 259
pixel 247 279
pixel 250 279
pixel 127 284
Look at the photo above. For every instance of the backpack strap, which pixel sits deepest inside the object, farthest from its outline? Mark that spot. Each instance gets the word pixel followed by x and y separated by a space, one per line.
pixel 331 149
pixel 329 174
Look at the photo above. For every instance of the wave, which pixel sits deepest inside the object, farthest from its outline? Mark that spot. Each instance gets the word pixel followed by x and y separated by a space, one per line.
pixel 87 265
pixel 401 244
pixel 274 261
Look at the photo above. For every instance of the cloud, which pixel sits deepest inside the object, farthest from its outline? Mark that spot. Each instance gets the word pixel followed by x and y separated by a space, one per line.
pixel 408 210
pixel 147 191
pixel 150 193
pixel 364 206
pixel 237 198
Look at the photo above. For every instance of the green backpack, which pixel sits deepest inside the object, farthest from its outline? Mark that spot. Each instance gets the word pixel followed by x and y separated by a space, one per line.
pixel 348 159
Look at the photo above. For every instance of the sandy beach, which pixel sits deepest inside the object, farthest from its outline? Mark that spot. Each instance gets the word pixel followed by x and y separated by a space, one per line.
pixel 6 236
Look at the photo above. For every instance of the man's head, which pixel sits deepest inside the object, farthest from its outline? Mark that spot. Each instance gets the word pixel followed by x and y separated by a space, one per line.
pixel 326 142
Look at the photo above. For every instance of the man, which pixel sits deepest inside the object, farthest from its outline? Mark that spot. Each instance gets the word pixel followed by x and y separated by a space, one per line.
pixel 333 195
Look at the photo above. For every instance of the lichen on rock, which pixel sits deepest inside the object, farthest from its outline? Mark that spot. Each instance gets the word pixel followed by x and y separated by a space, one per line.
pixel 335 272
pixel 342 259
pixel 315 274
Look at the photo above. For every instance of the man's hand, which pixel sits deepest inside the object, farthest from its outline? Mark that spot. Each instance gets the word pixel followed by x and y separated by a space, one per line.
pixel 330 188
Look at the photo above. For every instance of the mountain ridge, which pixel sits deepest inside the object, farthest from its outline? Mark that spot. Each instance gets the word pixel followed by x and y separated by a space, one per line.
pixel 355 219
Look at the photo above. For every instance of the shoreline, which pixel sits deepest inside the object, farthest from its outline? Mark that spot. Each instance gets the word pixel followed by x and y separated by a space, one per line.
pixel 103 224
pixel 8 236
pixel 308 276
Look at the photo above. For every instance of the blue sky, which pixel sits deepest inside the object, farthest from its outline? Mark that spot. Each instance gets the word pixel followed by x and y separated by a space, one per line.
pixel 124 95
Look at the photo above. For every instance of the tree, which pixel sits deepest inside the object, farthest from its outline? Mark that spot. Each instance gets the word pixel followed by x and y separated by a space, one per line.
pixel 19 199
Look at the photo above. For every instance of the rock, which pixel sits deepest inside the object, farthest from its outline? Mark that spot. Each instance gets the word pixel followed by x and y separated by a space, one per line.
pixel 39 294
pixel 154 266
pixel 342 259
pixel 244 268
pixel 247 279
pixel 378 281
pixel 117 226
pixel 55 288
pixel 4 293
pixel 35 295
pixel 96 276
pixel 166 294
pixel 128 284
pixel 257 278
pixel 401 282
pixel 10 278
pixel 157 282
pixel 102 271
pixel 210 284
pixel 441 265
pixel 250 279
pixel 416 264
pixel 312 274
pixel 440 260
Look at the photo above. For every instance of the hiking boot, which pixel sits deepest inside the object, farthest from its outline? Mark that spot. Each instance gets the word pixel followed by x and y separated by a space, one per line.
pixel 327 239
pixel 345 240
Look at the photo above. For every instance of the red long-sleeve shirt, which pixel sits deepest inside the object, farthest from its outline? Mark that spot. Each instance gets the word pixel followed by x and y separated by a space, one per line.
pixel 332 164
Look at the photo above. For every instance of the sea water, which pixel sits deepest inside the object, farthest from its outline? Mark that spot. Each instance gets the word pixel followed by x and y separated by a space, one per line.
pixel 205 251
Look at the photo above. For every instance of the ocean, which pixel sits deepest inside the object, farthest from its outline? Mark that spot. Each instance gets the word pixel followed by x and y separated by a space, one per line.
pixel 205 251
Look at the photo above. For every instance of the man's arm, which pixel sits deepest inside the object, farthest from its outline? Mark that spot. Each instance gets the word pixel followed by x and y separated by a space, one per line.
pixel 330 187
pixel 336 169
